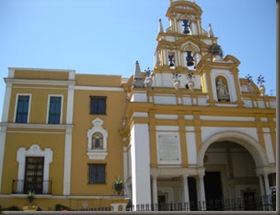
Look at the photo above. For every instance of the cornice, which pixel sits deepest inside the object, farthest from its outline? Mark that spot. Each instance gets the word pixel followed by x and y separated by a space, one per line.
pixel 36 126
pixel 40 82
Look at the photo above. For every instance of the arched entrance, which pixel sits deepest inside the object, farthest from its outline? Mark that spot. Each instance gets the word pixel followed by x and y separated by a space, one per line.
pixel 235 166
pixel 230 174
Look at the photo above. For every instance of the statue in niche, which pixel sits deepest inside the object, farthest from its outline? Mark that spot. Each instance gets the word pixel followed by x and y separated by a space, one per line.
pixel 222 91
pixel 97 141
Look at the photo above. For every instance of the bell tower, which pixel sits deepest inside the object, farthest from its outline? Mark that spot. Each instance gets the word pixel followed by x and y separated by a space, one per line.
pixel 190 56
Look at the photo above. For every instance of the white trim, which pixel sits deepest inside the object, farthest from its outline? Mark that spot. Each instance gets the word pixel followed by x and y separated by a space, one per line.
pixel 70 104
pixel 140 164
pixel 41 88
pixel 2 151
pixel 226 105
pixel 166 116
pixel 167 128
pixel 33 132
pixel 67 162
pixel 72 75
pixel 16 105
pixel 44 126
pixel 68 136
pixel 190 128
pixel 268 146
pixel 227 118
pixel 61 107
pixel 140 114
pixel 33 151
pixel 11 72
pixel 117 89
pixel 7 99
pixel 59 197
pixel 188 117
pixel 97 154
pixel 39 82
pixel 40 69
pixel 191 146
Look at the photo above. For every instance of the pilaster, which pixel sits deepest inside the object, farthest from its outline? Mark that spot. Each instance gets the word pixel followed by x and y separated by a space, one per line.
pixel 140 164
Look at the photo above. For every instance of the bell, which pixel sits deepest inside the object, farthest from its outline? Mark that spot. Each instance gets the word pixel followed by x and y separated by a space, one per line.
pixel 171 60
pixel 189 58
pixel 186 30
pixel 186 26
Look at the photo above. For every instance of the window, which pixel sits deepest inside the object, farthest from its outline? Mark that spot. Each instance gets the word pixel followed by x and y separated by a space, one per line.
pixel 34 172
pixel 55 110
pixel 96 173
pixel 97 105
pixel 22 109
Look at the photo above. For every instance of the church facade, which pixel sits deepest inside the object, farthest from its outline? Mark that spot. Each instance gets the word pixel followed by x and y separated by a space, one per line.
pixel 188 131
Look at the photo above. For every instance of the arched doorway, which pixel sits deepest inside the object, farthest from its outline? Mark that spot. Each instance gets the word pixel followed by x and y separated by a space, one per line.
pixel 230 174
pixel 235 167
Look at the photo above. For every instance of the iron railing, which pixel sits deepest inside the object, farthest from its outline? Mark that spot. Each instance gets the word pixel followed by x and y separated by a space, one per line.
pixel 264 203
pixel 23 187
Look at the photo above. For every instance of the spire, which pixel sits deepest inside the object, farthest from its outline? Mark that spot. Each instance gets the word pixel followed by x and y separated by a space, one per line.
pixel 138 78
pixel 210 31
pixel 160 27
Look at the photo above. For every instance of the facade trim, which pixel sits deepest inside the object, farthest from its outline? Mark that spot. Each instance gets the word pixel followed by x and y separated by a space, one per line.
pixel 48 107
pixel 29 106
pixel 118 89
pixel 34 151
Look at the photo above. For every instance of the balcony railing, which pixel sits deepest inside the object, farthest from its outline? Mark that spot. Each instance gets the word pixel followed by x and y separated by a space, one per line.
pixel 23 187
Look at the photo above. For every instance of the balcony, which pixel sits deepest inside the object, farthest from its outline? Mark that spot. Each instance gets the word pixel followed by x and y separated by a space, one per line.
pixel 23 187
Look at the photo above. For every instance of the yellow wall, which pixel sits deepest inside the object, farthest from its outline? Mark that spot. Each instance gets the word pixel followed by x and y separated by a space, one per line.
pixel 83 122
pixel 39 103
pixel 16 140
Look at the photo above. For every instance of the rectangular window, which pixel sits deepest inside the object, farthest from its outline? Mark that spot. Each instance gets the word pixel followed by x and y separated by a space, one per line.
pixel 97 105
pixel 22 109
pixel 34 173
pixel 96 173
pixel 55 110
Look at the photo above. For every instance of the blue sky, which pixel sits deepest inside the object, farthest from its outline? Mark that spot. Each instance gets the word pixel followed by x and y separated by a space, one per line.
pixel 107 37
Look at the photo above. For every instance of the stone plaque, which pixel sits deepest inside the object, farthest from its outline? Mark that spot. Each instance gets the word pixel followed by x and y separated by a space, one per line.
pixel 168 148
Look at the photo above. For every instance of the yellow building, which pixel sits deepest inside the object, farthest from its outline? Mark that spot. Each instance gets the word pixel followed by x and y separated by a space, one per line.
pixel 190 131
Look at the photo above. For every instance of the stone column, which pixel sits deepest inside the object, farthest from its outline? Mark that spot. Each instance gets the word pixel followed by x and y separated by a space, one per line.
pixel 186 192
pixel 266 184
pixel 201 192
pixel 155 196
pixel 261 185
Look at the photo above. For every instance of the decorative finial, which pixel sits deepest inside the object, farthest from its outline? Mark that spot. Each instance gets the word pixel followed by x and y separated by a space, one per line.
pixel 160 27
pixel 249 78
pixel 138 78
pixel 210 31
pixel 260 79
